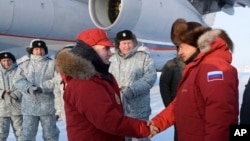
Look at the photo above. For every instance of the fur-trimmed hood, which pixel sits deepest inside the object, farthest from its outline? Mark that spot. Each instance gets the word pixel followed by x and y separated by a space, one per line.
pixel 80 61
pixel 69 64
pixel 197 35
pixel 207 38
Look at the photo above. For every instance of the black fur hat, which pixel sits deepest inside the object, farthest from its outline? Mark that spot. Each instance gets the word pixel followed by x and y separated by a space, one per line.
pixel 37 43
pixel 125 35
pixel 7 55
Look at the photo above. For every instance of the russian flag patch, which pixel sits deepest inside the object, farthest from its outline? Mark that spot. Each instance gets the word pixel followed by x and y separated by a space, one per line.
pixel 215 75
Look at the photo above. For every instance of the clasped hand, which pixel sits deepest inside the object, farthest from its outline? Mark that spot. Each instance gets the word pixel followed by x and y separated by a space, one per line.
pixel 153 129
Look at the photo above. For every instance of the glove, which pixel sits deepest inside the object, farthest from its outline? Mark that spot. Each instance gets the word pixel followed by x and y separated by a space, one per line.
pixel 39 90
pixel 127 92
pixel 13 96
pixel 33 90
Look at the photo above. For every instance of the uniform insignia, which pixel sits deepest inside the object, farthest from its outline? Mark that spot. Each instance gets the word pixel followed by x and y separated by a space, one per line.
pixel 215 75
pixel 5 55
pixel 39 44
pixel 117 98
pixel 124 34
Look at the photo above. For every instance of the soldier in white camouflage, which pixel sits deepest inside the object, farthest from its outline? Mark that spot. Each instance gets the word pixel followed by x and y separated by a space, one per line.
pixel 35 78
pixel 135 73
pixel 10 101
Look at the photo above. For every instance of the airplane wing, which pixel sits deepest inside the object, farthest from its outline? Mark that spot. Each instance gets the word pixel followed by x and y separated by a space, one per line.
pixel 59 21
pixel 211 6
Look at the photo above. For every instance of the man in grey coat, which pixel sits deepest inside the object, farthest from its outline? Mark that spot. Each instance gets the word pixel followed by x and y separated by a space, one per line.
pixel 10 101
pixel 35 79
pixel 135 73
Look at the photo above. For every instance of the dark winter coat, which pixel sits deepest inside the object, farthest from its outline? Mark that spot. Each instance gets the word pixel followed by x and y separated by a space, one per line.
pixel 92 99
pixel 170 77
pixel 245 106
pixel 205 106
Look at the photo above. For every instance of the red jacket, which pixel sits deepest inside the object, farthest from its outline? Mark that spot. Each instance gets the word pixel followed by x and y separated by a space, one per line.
pixel 92 102
pixel 205 106
pixel 94 112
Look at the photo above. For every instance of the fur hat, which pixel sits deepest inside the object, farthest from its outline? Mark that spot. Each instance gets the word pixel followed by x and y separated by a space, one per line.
pixel 195 34
pixel 4 55
pixel 186 32
pixel 125 35
pixel 95 36
pixel 37 43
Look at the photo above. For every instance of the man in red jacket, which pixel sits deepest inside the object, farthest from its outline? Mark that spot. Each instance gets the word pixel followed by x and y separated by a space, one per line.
pixel 207 98
pixel 92 102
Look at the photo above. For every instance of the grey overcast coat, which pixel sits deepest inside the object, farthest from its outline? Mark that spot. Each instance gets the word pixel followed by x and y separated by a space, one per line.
pixel 9 107
pixel 38 71
pixel 136 71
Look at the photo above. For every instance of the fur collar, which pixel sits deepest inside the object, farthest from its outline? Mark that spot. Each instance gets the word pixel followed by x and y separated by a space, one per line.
pixel 206 39
pixel 69 64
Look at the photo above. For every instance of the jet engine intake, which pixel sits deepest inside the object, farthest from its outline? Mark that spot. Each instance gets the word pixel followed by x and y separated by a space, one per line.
pixel 115 15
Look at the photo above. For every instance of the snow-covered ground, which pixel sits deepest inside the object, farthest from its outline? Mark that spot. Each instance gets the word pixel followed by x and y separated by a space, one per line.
pixel 157 106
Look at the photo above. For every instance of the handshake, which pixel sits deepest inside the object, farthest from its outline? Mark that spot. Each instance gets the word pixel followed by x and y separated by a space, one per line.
pixel 153 129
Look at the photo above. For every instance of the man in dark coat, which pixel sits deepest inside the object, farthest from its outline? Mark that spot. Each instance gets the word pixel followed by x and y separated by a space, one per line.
pixel 169 80
pixel 245 107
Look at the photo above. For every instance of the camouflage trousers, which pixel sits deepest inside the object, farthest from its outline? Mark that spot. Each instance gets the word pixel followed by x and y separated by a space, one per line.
pixel 49 127
pixel 15 122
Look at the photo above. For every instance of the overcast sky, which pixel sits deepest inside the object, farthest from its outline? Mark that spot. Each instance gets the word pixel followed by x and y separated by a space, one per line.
pixel 238 28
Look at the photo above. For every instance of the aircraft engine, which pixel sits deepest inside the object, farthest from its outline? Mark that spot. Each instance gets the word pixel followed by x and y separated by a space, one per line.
pixel 148 19
pixel 114 15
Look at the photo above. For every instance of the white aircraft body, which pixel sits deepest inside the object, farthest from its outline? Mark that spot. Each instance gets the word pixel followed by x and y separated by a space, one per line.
pixel 59 21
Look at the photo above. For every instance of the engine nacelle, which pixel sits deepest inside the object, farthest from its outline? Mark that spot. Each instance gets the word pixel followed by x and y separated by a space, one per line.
pixel 115 15
pixel 150 20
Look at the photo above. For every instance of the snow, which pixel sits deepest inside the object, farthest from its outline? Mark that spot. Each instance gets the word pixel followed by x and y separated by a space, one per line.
pixel 156 105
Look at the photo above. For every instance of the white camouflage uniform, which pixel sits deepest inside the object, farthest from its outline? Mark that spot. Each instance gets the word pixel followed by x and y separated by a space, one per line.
pixel 135 70
pixel 38 71
pixel 10 108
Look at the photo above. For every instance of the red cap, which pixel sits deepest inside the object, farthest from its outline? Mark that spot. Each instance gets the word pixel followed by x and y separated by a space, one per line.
pixel 95 36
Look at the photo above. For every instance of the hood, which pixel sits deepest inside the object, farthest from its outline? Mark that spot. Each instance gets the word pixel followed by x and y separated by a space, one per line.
pixel 70 64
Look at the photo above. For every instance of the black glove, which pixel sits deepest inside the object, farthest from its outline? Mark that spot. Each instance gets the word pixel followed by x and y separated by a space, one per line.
pixel 33 90
pixel 13 96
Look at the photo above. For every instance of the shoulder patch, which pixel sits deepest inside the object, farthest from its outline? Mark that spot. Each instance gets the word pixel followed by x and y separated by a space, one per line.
pixel 215 75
